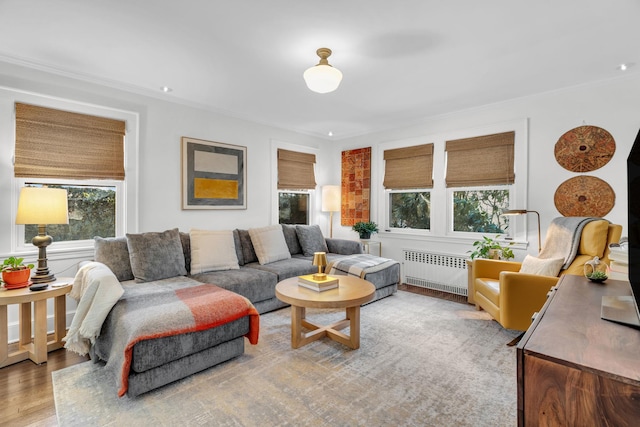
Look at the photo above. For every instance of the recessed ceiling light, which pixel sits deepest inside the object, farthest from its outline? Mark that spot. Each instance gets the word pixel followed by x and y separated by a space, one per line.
pixel 625 67
pixel 330 133
pixel 166 89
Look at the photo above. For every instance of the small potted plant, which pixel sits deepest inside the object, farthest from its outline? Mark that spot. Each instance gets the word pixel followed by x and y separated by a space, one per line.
pixel 491 249
pixel 365 229
pixel 15 274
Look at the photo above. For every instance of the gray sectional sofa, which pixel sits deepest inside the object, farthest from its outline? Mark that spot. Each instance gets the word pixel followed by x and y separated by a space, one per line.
pixel 145 264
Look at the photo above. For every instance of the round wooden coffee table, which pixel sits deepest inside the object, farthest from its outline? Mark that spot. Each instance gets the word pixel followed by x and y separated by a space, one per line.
pixel 350 294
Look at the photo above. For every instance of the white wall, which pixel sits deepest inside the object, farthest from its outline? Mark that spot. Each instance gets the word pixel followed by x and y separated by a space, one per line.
pixel 613 105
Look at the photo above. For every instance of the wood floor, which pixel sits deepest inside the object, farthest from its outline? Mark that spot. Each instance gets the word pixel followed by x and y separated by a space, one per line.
pixel 26 391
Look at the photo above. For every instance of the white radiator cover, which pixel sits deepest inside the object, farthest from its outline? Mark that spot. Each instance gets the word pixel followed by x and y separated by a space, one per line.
pixel 438 271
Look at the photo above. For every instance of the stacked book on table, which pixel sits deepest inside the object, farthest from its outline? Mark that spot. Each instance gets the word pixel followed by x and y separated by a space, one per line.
pixel 309 282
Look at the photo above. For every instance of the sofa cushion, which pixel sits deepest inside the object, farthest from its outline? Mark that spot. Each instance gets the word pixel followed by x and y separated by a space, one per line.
pixel 248 253
pixel 269 243
pixel 212 250
pixel 238 247
pixel 286 268
pixel 254 284
pixel 114 253
pixel 156 255
pixel 291 237
pixel 311 239
pixel 186 250
pixel 542 267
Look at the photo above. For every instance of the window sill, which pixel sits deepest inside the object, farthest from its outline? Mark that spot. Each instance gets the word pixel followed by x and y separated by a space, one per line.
pixel 426 237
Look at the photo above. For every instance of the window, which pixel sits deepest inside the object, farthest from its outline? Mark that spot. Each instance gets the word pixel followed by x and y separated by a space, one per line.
pixel 411 209
pixel 408 176
pixel 47 154
pixel 92 212
pixel 296 178
pixel 464 179
pixel 480 193
pixel 293 207
pixel 478 211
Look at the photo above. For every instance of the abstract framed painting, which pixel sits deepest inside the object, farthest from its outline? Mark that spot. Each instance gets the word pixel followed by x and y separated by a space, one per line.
pixel 214 175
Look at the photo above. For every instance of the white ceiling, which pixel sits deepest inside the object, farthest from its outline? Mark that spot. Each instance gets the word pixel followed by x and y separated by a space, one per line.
pixel 402 60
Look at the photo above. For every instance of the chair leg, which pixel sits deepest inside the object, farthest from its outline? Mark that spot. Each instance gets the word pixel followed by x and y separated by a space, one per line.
pixel 516 340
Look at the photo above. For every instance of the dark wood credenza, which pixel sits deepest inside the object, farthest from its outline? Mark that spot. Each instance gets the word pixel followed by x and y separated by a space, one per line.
pixel 574 368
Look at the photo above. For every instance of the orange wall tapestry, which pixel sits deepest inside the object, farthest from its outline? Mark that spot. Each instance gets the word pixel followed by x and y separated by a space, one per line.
pixel 356 186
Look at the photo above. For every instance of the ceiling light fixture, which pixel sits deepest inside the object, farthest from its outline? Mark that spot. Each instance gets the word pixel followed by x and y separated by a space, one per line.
pixel 323 78
pixel 166 89
pixel 625 66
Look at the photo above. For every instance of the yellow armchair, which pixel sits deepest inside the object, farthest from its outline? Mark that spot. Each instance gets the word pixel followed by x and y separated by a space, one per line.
pixel 511 297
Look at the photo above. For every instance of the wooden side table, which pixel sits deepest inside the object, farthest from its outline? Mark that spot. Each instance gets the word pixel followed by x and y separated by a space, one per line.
pixel 37 348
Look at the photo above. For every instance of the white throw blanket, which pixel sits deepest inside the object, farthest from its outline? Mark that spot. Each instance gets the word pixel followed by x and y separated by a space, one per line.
pixel 563 238
pixel 96 289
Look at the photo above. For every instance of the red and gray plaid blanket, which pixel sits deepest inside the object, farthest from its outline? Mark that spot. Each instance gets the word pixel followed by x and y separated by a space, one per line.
pixel 150 311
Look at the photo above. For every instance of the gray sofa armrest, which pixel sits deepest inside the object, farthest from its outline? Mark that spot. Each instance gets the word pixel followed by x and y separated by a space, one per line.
pixel 344 246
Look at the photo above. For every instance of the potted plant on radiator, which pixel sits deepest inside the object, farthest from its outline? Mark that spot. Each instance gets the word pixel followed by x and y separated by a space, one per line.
pixel 15 274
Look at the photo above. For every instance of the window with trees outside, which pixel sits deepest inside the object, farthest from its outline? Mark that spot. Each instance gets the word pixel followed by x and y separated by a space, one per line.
pixel 296 181
pixel 478 210
pixel 410 209
pixel 458 185
pixel 293 207
pixel 92 212
pixel 481 192
pixel 47 154
pixel 408 177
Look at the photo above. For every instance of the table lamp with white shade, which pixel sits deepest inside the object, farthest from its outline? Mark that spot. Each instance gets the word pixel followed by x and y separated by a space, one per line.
pixel 42 206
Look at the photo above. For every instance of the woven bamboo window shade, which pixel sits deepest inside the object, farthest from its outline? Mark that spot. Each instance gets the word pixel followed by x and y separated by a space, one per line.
pixel 295 170
pixel 482 160
pixel 59 144
pixel 409 167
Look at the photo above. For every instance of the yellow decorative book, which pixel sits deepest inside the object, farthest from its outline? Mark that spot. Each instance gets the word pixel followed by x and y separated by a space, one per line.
pixel 309 282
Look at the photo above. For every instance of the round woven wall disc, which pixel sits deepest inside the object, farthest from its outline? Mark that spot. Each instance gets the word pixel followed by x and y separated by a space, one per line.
pixel 585 149
pixel 584 196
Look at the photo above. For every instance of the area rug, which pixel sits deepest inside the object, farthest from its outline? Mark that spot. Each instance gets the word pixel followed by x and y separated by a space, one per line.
pixel 422 362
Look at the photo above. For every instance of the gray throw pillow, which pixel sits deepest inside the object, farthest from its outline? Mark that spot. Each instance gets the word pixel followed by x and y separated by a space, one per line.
pixel 248 253
pixel 185 240
pixel 156 255
pixel 114 253
pixel 311 239
pixel 291 237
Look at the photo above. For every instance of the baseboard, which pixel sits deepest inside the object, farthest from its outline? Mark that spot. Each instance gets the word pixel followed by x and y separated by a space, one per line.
pixel 462 299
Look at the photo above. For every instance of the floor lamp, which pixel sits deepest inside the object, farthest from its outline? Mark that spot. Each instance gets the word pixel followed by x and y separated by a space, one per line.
pixel 510 212
pixel 331 203
pixel 42 206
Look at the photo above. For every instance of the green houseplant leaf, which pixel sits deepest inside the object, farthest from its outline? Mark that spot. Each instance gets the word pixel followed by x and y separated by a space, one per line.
pixel 485 247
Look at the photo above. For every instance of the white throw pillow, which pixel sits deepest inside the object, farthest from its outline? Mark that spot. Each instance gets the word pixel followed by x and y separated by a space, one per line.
pixel 269 244
pixel 212 251
pixel 542 267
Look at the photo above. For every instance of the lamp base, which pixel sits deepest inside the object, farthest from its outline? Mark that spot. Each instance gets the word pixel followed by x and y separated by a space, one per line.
pixel 41 241
pixel 43 276
pixel 320 276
